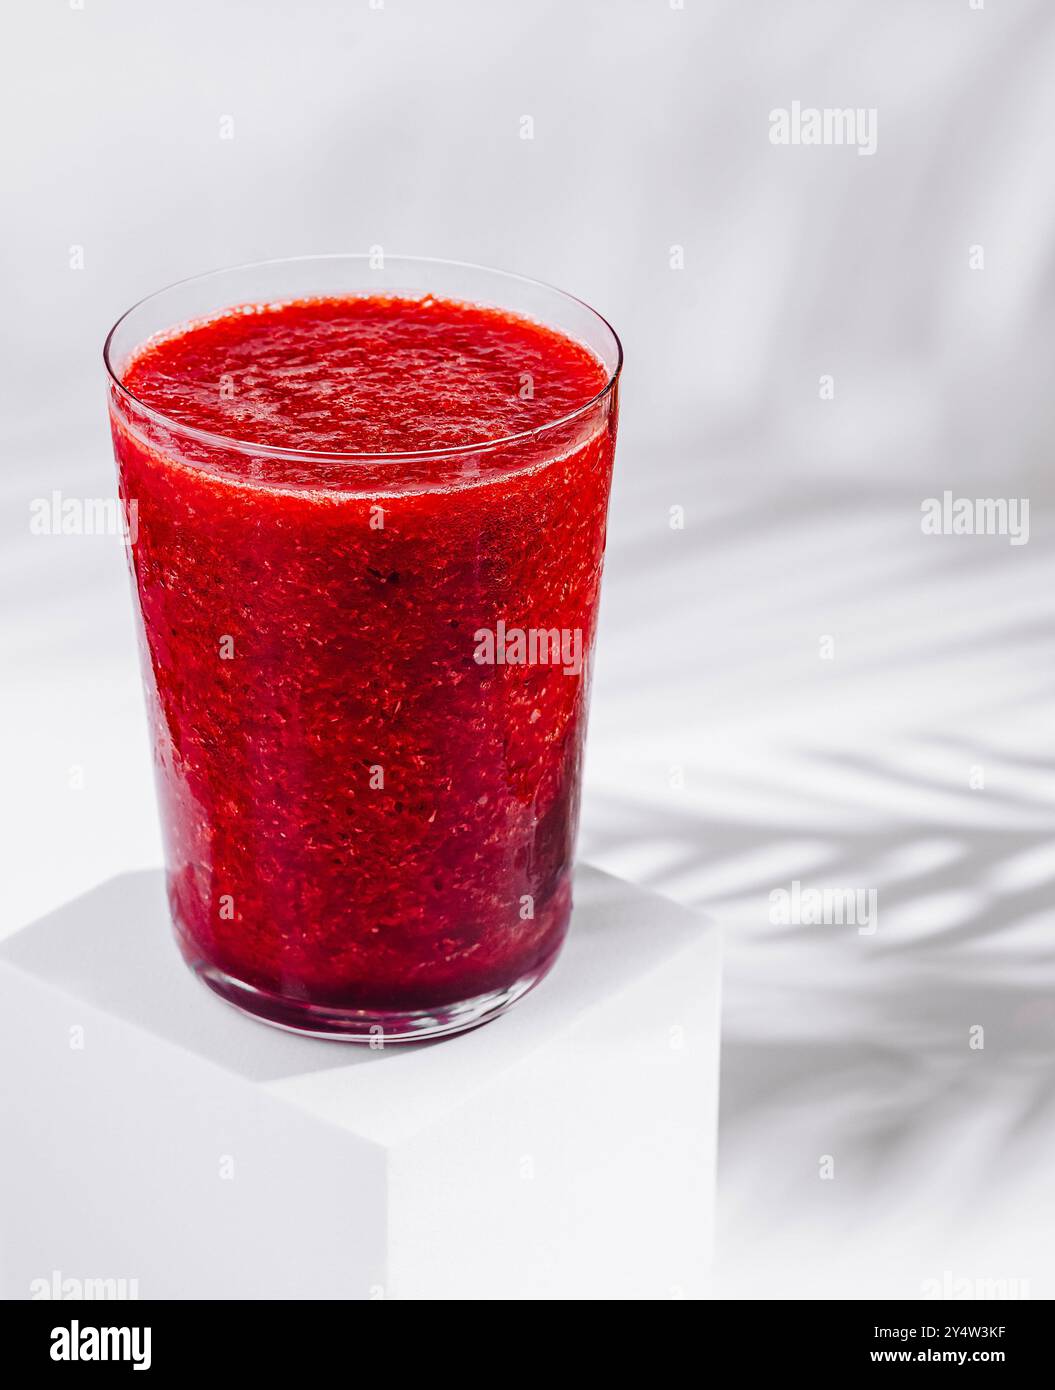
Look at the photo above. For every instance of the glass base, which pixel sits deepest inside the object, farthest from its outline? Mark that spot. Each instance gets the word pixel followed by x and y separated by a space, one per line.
pixel 374 1027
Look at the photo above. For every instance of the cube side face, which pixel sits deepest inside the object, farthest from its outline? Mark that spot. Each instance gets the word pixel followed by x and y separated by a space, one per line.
pixel 126 1158
pixel 587 1171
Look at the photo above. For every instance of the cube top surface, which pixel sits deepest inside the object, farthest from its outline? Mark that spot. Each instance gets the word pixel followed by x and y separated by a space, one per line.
pixel 112 950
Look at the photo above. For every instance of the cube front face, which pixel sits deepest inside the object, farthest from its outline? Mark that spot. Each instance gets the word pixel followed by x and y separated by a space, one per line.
pixel 569 1155
pixel 125 1158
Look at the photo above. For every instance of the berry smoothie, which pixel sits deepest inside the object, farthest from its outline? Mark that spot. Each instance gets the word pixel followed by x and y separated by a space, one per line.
pixel 370 538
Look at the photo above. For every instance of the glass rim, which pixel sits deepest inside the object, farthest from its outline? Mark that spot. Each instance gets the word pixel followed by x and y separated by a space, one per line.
pixel 221 441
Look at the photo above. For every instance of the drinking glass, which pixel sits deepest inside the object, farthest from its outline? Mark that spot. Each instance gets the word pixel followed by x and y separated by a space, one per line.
pixel 368 698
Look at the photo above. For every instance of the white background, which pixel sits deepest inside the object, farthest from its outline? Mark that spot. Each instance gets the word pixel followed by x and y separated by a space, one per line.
pixel 400 127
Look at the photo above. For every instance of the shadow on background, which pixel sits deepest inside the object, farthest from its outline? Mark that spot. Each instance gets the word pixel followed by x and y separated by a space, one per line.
pixel 854 772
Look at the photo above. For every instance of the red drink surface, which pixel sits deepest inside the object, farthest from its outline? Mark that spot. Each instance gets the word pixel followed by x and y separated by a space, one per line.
pixel 359 813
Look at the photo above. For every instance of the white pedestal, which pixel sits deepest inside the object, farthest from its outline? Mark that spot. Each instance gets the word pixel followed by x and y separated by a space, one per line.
pixel 150 1132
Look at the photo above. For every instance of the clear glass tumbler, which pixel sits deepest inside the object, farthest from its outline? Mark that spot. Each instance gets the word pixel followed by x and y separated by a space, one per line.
pixel 368 699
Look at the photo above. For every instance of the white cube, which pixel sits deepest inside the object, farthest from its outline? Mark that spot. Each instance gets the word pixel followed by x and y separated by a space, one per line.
pixel 153 1134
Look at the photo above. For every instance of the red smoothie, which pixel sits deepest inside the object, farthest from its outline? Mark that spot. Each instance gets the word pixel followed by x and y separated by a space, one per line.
pixel 370 537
